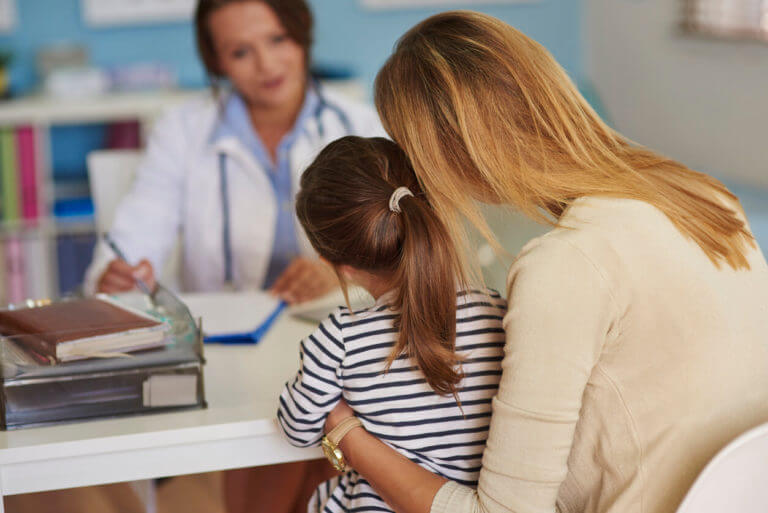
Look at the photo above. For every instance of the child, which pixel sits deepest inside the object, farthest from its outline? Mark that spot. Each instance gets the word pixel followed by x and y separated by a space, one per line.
pixel 419 367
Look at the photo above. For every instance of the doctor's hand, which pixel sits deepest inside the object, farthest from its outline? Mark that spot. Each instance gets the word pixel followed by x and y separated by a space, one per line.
pixel 120 276
pixel 304 279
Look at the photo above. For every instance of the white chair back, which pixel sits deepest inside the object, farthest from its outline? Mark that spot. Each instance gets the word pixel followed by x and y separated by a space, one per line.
pixel 111 174
pixel 735 480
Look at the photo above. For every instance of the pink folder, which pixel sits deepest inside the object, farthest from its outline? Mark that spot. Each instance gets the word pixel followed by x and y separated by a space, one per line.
pixel 27 166
pixel 14 270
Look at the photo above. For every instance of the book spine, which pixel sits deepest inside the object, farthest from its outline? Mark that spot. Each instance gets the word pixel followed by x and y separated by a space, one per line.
pixel 37 271
pixel 3 288
pixel 75 252
pixel 26 337
pixel 8 175
pixel 2 188
pixel 65 251
pixel 123 135
pixel 25 138
pixel 43 176
pixel 14 269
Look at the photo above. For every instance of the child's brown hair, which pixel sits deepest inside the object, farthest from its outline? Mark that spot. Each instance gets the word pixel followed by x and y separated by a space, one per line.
pixel 344 207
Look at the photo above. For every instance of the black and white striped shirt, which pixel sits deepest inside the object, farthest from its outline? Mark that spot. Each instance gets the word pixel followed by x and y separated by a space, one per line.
pixel 345 357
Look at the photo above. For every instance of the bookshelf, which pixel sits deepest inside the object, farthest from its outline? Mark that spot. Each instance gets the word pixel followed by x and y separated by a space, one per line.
pixel 44 110
pixel 31 236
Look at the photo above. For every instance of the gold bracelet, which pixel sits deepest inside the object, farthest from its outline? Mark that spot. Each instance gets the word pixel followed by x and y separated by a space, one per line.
pixel 330 442
pixel 344 427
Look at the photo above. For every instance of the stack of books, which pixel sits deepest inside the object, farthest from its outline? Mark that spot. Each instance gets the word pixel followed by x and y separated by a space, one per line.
pixel 96 357
pixel 80 329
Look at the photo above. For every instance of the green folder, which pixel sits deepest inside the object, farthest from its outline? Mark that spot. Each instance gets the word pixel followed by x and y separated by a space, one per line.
pixel 2 201
pixel 9 175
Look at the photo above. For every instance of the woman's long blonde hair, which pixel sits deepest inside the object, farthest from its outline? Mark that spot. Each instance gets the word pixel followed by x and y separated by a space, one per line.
pixel 486 113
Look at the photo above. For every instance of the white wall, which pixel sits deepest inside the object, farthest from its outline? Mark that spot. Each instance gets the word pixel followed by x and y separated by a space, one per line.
pixel 703 102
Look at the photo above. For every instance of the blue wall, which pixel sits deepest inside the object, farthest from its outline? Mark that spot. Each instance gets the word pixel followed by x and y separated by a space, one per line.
pixel 368 36
pixel 45 22
pixel 347 35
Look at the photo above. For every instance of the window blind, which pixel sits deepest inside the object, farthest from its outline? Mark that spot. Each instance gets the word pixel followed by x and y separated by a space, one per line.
pixel 727 18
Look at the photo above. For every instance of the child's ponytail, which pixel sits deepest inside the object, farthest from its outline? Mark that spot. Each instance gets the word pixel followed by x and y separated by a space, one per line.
pixel 348 211
pixel 426 300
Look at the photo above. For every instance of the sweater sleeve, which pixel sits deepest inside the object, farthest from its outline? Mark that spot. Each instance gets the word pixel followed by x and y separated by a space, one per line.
pixel 561 311
pixel 307 399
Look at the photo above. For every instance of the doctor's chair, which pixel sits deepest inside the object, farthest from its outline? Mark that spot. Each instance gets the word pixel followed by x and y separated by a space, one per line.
pixel 111 174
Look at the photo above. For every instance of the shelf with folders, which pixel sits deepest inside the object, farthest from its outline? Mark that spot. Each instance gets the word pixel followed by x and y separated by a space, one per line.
pixel 44 248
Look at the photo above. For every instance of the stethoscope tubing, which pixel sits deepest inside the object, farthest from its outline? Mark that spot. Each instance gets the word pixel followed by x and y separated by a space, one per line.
pixel 226 235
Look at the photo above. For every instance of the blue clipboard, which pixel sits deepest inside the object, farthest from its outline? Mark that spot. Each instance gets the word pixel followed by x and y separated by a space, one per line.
pixel 248 337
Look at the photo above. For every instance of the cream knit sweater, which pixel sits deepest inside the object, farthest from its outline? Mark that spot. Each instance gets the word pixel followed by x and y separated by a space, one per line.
pixel 630 361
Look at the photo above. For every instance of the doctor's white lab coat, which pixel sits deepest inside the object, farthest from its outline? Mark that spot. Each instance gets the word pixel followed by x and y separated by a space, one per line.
pixel 177 193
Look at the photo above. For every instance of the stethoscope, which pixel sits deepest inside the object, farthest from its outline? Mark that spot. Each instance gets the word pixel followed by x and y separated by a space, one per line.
pixel 226 236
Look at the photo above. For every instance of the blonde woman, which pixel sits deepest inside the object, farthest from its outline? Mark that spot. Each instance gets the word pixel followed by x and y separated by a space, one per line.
pixel 637 331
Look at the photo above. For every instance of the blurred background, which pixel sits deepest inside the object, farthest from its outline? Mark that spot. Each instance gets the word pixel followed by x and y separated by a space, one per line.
pixel 689 78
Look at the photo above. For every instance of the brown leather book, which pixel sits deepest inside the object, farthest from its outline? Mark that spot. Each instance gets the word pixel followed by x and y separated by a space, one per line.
pixel 80 328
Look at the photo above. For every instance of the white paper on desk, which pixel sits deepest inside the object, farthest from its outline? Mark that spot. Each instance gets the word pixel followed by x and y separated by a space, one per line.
pixel 230 312
pixel 318 309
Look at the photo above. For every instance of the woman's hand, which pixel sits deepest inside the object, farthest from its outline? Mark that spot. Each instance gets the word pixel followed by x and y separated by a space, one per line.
pixel 120 276
pixel 303 280
pixel 389 472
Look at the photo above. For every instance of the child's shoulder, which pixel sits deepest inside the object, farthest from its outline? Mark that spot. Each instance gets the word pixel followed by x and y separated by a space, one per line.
pixel 346 318
pixel 483 299
pixel 469 302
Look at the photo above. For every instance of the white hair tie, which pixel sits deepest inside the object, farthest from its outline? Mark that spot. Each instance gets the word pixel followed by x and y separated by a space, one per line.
pixel 394 200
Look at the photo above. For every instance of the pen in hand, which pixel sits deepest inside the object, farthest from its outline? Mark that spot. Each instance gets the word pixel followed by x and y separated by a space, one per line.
pixel 140 284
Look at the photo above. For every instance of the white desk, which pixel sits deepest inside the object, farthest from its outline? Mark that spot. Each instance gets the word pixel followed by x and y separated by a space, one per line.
pixel 242 384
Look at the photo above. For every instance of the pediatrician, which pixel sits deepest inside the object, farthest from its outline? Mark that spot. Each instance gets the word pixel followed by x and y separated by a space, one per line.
pixel 222 171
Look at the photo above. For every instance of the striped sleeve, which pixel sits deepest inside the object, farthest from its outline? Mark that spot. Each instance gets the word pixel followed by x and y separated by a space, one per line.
pixel 308 398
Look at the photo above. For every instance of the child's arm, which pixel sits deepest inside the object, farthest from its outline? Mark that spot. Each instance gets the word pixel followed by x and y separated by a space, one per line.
pixel 308 398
